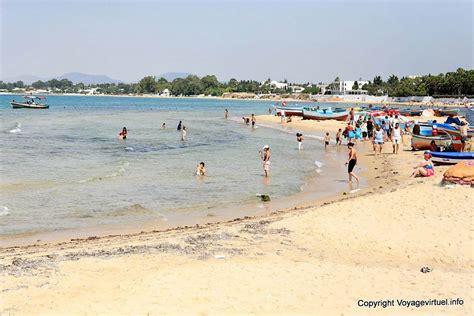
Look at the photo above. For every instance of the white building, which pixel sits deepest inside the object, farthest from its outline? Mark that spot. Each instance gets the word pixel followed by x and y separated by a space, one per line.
pixel 296 89
pixel 165 93
pixel 345 87
pixel 278 85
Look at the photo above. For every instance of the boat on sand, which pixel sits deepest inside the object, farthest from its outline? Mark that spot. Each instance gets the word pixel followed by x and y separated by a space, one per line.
pixel 324 114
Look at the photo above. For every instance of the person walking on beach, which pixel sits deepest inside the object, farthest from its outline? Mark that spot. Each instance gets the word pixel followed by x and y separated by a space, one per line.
pixel 397 138
pixel 266 160
pixel 352 161
pixel 327 139
pixel 179 125
pixel 226 113
pixel 299 139
pixel 183 133
pixel 370 128
pixel 378 140
pixel 339 137
pixel 254 120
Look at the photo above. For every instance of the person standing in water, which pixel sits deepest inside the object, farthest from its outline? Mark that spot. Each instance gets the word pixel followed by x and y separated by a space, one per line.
pixel 339 137
pixel 299 139
pixel 179 126
pixel 327 139
pixel 226 113
pixel 163 126
pixel 183 133
pixel 266 160
pixel 254 120
pixel 123 133
pixel 200 169
pixel 352 162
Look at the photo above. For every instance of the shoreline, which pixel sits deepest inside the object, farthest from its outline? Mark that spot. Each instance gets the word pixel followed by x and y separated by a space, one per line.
pixel 306 198
pixel 311 251
pixel 272 99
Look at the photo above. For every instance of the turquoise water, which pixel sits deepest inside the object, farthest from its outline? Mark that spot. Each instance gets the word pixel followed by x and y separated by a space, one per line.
pixel 64 168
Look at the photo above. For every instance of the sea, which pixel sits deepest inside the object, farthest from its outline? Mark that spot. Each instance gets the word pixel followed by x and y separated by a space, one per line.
pixel 64 169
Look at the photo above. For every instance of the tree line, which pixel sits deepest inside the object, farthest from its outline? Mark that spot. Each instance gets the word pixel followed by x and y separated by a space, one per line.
pixel 450 84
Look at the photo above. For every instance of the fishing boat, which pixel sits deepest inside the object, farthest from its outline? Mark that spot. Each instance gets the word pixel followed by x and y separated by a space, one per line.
pixel 445 157
pixel 423 142
pixel 446 112
pixel 289 110
pixel 30 103
pixel 324 114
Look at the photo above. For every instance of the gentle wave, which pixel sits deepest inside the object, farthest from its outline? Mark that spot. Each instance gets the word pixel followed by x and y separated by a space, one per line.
pixel 14 130
pixel 120 171
pixel 4 211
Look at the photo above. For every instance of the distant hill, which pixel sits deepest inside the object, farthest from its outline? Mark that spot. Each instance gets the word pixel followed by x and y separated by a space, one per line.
pixel 75 77
pixel 27 79
pixel 170 76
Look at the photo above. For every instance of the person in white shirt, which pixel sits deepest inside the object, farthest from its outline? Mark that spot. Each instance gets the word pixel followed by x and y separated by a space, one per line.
pixel 396 138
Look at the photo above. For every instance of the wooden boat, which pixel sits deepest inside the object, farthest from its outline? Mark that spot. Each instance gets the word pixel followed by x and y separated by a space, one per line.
pixel 29 103
pixel 289 110
pixel 445 157
pixel 324 114
pixel 446 112
pixel 423 142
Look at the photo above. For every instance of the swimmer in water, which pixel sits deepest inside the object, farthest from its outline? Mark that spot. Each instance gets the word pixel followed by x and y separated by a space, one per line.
pixel 123 133
pixel 163 126
pixel 226 113
pixel 179 125
pixel 183 133
pixel 254 120
pixel 200 169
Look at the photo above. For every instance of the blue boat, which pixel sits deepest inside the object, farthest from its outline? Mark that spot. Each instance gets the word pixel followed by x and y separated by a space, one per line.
pixel 446 157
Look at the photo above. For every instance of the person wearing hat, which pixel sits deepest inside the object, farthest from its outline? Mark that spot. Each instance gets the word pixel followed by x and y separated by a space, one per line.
pixel 424 168
pixel 266 160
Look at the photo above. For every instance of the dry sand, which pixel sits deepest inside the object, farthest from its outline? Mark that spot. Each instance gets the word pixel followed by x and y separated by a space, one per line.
pixel 315 260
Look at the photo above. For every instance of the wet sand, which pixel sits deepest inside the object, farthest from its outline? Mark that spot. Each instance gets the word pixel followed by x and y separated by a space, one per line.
pixel 321 259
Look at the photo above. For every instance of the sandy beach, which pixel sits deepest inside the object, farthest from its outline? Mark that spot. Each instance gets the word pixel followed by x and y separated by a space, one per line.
pixel 329 258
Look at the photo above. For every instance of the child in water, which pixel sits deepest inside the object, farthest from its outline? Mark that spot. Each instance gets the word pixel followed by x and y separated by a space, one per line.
pixel 339 137
pixel 299 139
pixel 200 169
pixel 183 133
pixel 327 139
pixel 123 133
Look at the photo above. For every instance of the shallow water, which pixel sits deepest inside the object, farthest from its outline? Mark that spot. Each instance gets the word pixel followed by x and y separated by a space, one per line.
pixel 64 168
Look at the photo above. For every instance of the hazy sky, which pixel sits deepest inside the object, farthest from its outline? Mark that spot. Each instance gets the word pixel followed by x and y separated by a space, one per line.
pixel 299 41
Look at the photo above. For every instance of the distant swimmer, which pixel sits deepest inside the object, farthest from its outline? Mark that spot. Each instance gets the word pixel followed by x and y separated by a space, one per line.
pixel 226 113
pixel 163 126
pixel 254 120
pixel 123 133
pixel 327 139
pixel 200 169
pixel 265 155
pixel 179 125
pixel 299 139
pixel 183 133
pixel 247 121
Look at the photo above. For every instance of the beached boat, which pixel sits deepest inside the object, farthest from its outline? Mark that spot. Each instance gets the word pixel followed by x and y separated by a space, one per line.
pixel 29 103
pixel 289 110
pixel 446 112
pixel 324 114
pixel 445 157
pixel 423 142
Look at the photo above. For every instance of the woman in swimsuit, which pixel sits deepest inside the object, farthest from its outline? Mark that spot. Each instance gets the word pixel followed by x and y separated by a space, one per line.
pixel 123 133
pixel 425 168
pixel 200 169
pixel 378 140
pixel 352 162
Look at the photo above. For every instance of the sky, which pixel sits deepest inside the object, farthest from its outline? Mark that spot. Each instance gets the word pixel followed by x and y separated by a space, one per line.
pixel 301 41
